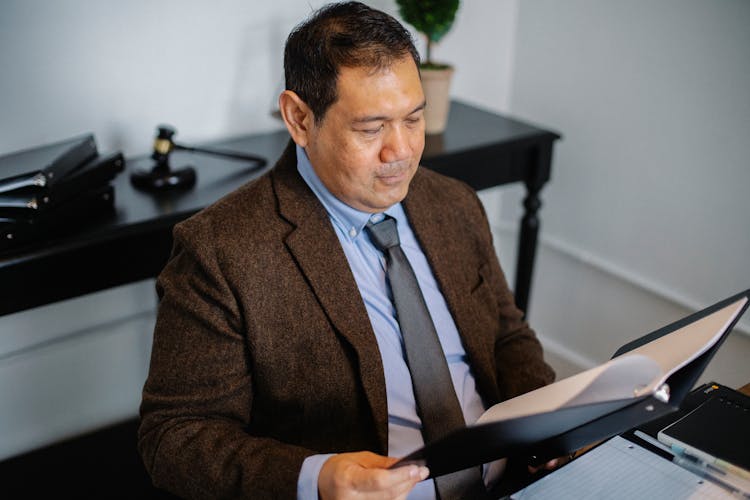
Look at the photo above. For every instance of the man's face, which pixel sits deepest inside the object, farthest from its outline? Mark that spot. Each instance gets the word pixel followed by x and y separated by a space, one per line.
pixel 368 146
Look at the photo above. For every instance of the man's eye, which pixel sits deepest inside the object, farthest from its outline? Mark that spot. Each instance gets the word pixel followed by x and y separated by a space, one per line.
pixel 372 131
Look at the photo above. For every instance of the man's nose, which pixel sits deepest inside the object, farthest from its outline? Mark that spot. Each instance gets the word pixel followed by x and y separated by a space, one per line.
pixel 396 146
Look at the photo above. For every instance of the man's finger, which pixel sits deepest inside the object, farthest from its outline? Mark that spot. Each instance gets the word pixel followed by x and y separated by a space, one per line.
pixel 550 465
pixel 390 479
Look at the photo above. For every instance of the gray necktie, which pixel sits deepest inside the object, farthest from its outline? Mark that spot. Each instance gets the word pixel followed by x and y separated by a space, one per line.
pixel 437 403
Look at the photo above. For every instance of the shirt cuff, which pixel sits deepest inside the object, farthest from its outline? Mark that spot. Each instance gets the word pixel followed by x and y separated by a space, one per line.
pixel 307 483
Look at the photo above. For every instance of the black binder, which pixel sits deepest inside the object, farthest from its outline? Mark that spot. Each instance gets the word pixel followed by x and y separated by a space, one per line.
pixel 30 202
pixel 545 435
pixel 43 166
pixel 71 214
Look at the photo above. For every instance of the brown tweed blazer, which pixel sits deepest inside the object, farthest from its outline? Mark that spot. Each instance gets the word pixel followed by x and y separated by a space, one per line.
pixel 263 353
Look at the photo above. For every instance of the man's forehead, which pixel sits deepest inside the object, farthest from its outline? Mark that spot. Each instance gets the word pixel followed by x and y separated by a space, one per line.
pixel 364 93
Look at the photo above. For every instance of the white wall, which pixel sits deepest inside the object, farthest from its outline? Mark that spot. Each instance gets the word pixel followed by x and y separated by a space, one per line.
pixel 118 69
pixel 645 219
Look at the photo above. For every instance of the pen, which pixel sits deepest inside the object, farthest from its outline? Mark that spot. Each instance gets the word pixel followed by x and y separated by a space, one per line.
pixel 731 469
pixel 718 469
pixel 702 470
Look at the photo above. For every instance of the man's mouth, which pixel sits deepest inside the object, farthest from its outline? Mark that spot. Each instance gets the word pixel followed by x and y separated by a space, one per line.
pixel 393 175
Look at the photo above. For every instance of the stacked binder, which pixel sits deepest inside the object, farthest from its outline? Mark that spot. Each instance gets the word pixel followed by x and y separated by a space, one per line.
pixel 53 189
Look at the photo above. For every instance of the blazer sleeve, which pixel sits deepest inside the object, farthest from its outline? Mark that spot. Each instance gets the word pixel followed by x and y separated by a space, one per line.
pixel 518 353
pixel 198 397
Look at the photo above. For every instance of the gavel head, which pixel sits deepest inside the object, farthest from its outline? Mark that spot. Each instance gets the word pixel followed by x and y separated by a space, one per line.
pixel 161 177
pixel 163 145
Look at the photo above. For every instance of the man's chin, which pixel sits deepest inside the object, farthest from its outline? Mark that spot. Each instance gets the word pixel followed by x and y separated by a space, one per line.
pixel 394 197
pixel 380 202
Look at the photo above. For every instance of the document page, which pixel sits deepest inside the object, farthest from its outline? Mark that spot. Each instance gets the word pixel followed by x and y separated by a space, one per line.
pixel 637 373
pixel 621 470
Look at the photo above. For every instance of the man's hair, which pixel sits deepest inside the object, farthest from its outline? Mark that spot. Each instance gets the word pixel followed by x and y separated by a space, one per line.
pixel 348 34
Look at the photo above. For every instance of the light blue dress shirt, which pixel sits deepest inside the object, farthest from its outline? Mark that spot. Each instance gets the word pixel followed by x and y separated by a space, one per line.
pixel 368 266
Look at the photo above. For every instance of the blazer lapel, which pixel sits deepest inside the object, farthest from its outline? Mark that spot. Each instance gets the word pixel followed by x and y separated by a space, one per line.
pixel 438 235
pixel 317 250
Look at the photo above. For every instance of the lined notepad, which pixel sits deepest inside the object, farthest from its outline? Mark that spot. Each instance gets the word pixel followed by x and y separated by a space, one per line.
pixel 620 469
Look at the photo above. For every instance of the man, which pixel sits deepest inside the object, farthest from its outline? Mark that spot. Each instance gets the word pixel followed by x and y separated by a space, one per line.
pixel 279 365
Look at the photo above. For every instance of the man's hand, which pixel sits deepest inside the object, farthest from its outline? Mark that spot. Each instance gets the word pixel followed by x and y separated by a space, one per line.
pixel 550 465
pixel 365 475
pixel 560 461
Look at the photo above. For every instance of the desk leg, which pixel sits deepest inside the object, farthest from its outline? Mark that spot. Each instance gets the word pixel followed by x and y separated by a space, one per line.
pixel 539 170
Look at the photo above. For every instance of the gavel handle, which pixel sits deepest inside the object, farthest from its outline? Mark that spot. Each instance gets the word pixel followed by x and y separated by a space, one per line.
pixel 227 154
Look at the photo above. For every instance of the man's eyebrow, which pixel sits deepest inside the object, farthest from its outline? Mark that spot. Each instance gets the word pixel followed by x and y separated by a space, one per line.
pixel 378 118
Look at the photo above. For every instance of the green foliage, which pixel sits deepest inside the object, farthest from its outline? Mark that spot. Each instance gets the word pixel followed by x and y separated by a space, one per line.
pixel 433 18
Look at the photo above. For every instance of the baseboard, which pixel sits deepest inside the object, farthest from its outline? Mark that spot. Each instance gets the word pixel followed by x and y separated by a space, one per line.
pixel 583 311
pixel 584 257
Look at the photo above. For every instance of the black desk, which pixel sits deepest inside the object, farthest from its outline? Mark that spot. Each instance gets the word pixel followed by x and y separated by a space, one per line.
pixel 478 147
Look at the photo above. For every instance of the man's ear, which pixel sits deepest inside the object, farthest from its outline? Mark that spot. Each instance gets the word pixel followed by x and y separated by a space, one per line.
pixel 297 116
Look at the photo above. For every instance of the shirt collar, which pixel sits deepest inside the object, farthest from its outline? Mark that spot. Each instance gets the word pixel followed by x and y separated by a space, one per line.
pixel 350 220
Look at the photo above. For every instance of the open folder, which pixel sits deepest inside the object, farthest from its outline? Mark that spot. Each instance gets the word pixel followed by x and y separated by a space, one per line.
pixel 645 379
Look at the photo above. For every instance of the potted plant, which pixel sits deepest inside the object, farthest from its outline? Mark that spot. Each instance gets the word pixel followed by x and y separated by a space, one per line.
pixel 433 19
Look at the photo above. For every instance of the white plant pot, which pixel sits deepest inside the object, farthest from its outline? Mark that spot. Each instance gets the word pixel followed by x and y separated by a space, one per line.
pixel 436 84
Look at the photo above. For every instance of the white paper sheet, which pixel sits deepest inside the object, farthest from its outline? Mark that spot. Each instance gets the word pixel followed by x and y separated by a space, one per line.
pixel 621 470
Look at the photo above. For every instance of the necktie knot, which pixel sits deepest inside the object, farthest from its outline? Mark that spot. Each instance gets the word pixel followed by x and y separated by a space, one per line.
pixel 384 234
